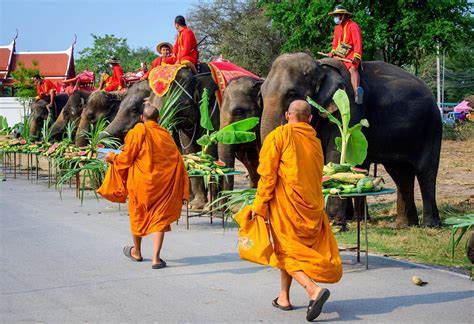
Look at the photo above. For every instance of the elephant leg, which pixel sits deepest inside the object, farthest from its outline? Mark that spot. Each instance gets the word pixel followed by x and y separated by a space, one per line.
pixel 359 203
pixel 427 182
pixel 404 177
pixel 197 183
pixel 338 210
pixel 249 159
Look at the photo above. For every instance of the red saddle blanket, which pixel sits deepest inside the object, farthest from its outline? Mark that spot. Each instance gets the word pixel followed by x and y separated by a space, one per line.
pixel 224 71
pixel 160 78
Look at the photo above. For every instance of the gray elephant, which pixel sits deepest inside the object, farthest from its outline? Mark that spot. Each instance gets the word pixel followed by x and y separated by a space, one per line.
pixel 71 112
pixel 405 123
pixel 39 113
pixel 99 105
pixel 241 100
pixel 188 128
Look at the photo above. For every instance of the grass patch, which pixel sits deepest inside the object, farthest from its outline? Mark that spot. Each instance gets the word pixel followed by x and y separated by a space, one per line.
pixel 459 132
pixel 418 244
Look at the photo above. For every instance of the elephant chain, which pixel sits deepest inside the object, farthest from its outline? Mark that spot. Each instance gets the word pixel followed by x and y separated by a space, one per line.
pixel 190 142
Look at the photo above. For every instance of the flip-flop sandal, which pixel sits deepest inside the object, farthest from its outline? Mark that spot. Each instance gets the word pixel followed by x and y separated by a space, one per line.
pixel 160 265
pixel 127 251
pixel 316 306
pixel 285 308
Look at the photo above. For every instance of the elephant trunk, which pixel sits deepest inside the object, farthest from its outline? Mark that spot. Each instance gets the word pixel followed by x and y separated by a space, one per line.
pixel 273 116
pixel 34 129
pixel 113 130
pixel 81 139
pixel 227 155
pixel 58 127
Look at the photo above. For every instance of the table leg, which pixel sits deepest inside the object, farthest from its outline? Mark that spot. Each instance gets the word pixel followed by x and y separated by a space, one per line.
pixel 358 240
pixel 187 216
pixel 366 236
pixel 28 166
pixel 37 170
pixel 14 165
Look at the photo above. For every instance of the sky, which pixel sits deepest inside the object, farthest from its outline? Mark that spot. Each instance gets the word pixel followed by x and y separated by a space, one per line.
pixel 50 25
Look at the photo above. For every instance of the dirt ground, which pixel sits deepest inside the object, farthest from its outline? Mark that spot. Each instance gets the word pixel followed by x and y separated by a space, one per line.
pixel 455 184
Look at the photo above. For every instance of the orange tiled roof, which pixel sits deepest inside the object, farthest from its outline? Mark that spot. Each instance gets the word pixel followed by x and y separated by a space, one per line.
pixel 55 66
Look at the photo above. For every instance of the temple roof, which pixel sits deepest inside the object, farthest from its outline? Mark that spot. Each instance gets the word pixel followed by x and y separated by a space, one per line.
pixel 55 66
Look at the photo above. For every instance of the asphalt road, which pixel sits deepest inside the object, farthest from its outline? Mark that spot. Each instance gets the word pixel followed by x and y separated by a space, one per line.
pixel 61 262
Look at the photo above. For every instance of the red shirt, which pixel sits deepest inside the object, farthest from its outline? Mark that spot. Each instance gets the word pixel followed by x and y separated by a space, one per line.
pixel 43 88
pixel 117 82
pixel 349 33
pixel 185 48
pixel 158 62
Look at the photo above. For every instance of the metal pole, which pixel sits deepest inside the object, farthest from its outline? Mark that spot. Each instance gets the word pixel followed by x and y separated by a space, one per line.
pixel 438 82
pixel 366 236
pixel 442 83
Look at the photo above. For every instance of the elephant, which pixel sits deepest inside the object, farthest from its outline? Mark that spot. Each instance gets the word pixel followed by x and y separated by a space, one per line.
pixel 100 104
pixel 39 113
pixel 405 123
pixel 188 128
pixel 71 112
pixel 241 100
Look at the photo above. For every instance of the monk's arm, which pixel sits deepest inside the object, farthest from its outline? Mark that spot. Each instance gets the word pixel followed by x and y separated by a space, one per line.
pixel 268 169
pixel 133 143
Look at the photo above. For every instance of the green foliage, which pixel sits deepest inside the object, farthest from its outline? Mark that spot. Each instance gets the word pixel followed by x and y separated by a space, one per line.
pixel 239 30
pixel 22 76
pixel 4 129
pixel 25 128
pixel 46 130
pixel 398 32
pixel 95 57
pixel 460 226
pixel 170 109
pixel 70 131
pixel 93 136
pixel 352 144
pixel 233 201
pixel 235 133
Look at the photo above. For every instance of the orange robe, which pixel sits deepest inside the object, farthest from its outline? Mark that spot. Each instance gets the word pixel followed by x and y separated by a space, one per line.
pixel 157 181
pixel 291 167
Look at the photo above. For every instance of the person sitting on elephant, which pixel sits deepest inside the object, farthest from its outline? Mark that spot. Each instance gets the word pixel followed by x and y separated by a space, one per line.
pixel 185 49
pixel 45 88
pixel 164 50
pixel 347 44
pixel 114 82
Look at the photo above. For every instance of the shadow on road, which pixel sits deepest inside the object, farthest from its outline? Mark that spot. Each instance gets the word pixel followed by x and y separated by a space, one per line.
pixel 350 310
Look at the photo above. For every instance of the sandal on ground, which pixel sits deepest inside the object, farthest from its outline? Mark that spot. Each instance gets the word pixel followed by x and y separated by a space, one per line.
pixel 160 265
pixel 127 251
pixel 285 308
pixel 316 306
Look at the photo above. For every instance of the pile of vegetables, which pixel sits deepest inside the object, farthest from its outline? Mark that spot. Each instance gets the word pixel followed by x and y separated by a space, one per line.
pixel 346 179
pixel 204 164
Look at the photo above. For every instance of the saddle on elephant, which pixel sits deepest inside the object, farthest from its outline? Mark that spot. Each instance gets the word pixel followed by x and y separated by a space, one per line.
pixel 161 77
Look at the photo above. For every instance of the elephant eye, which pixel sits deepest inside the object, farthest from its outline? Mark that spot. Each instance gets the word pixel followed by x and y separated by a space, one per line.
pixel 238 112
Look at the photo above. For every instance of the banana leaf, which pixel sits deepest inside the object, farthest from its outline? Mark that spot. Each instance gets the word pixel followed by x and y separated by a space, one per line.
pixel 205 121
pixel 234 137
pixel 460 226
pixel 241 125
pixel 342 102
pixel 331 118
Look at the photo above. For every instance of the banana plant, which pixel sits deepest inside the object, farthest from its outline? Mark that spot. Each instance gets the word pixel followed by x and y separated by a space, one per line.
pixel 235 133
pixel 352 144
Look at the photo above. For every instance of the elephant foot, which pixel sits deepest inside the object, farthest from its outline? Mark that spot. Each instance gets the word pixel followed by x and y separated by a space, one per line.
pixel 432 223
pixel 197 204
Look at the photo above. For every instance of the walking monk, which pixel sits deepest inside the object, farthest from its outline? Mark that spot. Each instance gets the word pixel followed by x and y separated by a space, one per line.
pixel 157 183
pixel 290 193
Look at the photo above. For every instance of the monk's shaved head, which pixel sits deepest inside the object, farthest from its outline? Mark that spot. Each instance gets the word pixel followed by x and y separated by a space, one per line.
pixel 300 111
pixel 150 113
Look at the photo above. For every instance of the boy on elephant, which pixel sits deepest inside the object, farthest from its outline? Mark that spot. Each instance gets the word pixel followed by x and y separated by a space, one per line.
pixel 185 49
pixel 347 44
pixel 164 49
pixel 114 82
pixel 45 88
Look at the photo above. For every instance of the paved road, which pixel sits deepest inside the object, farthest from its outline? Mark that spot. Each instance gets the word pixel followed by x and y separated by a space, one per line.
pixel 61 262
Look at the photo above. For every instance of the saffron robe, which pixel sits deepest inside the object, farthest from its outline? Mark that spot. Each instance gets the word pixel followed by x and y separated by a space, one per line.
pixel 157 180
pixel 290 190
pixel 348 32
pixel 185 48
pixel 116 81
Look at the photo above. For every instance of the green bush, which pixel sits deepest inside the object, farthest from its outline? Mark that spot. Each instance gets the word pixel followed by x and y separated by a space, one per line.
pixel 460 132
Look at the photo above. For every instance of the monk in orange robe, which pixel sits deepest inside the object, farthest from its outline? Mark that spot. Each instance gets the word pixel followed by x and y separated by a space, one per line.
pixel 157 183
pixel 290 195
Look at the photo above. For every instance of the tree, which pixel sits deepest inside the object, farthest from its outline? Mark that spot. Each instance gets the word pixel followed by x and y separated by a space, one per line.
pixel 95 57
pixel 239 31
pixel 23 79
pixel 399 32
